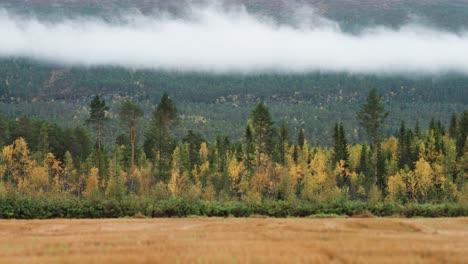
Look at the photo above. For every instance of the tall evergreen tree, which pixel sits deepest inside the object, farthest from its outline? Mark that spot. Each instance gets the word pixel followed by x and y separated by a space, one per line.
pixel 340 145
pixel 222 145
pixel 365 167
pixel 159 142
pixel 97 117
pixel 453 127
pixel 371 117
pixel 249 149
pixel 402 147
pixel 283 144
pixel 262 128
pixel 130 114
pixel 193 141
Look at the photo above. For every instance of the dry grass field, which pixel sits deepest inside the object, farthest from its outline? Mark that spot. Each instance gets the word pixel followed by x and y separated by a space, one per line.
pixel 235 240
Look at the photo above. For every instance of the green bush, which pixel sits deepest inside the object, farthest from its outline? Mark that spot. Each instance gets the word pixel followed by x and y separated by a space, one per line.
pixel 27 208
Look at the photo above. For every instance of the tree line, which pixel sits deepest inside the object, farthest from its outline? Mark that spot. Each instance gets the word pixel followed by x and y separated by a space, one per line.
pixel 40 159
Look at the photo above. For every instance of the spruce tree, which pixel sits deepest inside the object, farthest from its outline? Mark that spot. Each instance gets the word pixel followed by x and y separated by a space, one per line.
pixel 159 142
pixel 453 127
pixel 97 117
pixel 340 145
pixel 249 149
pixel 402 147
pixel 371 117
pixel 263 132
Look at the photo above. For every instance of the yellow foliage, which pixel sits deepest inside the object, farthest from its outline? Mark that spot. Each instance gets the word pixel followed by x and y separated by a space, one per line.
pixel 178 182
pixel 173 182
pixel 204 153
pixel 354 156
pixel 235 170
pixel 423 174
pixel 209 193
pixel 392 145
pixel 92 184
pixel 395 186
pixel 17 159
pixel 260 180
pixel 320 184
pixel 39 179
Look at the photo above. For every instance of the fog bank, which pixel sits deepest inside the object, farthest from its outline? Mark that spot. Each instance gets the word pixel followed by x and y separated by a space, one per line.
pixel 216 40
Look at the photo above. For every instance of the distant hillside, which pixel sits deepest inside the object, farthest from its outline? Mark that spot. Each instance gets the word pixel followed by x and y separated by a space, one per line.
pixel 215 103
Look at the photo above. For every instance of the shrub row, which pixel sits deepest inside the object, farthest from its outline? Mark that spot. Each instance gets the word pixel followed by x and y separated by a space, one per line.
pixel 27 208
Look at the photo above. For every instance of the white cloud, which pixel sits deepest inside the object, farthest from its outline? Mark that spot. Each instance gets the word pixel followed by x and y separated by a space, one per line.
pixel 234 41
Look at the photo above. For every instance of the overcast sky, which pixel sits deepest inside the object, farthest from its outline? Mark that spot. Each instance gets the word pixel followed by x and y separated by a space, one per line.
pixel 234 41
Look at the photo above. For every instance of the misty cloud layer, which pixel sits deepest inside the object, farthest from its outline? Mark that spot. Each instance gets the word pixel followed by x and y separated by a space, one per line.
pixel 233 41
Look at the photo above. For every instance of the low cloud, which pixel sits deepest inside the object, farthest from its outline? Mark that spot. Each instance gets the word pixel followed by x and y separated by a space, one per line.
pixel 215 40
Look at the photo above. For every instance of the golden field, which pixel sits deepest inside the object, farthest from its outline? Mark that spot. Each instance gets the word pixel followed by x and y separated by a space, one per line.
pixel 235 240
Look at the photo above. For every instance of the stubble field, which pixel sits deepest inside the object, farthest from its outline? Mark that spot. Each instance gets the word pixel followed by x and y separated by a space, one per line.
pixel 235 240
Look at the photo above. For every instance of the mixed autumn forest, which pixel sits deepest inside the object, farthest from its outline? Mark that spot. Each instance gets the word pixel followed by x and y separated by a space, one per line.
pixel 259 131
pixel 66 168
pixel 166 123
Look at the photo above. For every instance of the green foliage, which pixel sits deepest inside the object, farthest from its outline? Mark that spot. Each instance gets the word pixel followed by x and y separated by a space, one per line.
pixel 27 208
pixel 97 117
pixel 159 142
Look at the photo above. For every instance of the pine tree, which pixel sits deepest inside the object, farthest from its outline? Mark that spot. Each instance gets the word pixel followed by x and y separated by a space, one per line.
pixel 129 114
pixel 97 117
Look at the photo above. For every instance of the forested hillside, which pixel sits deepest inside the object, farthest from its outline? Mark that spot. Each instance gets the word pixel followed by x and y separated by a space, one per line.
pixel 212 102
pixel 219 103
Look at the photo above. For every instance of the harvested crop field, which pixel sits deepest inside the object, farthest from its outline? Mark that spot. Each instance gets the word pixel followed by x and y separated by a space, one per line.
pixel 235 240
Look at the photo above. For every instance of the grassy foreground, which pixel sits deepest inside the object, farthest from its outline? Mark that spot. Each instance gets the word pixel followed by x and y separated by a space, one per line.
pixel 19 207
pixel 235 240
